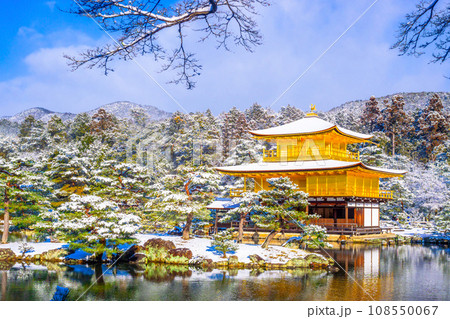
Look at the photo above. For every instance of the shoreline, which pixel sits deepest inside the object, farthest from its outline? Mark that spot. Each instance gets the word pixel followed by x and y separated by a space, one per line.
pixel 198 252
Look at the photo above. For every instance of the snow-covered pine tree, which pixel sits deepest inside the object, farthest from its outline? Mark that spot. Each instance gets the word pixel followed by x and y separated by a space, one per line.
pixel 247 203
pixel 23 193
pixel 258 117
pixel 91 223
pixel 434 124
pixel 223 242
pixel 56 129
pixel 283 204
pixel 289 114
pixel 32 134
pixel 234 128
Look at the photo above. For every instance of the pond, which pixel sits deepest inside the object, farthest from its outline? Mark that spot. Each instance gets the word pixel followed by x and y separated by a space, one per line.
pixel 382 273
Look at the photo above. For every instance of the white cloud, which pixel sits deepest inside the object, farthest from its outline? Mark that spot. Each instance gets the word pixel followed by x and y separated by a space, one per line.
pixel 295 34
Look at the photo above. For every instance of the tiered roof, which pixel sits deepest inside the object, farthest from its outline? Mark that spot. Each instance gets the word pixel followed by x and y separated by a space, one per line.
pixel 305 166
pixel 311 124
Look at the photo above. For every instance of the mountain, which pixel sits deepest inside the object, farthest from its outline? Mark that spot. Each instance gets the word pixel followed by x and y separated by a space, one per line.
pixel 38 113
pixel 413 101
pixel 123 109
pixel 120 109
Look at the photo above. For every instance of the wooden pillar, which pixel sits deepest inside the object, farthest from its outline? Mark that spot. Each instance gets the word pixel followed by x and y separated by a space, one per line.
pixel 346 214
pixel 216 220
pixel 245 184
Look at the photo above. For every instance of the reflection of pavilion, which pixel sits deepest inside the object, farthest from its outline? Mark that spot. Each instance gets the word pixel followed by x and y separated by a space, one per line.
pixel 363 260
pixel 362 277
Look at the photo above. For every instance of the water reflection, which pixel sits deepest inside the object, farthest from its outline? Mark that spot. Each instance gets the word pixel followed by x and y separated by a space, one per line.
pixel 381 273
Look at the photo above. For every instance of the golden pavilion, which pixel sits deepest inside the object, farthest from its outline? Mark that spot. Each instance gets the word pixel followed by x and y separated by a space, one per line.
pixel 314 154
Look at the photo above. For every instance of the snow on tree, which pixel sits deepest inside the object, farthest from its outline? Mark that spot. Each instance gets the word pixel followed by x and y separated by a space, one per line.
pixel 281 206
pixel 234 129
pixel 32 134
pixel 56 130
pixel 91 223
pixel 223 242
pixel 288 114
pixel 396 122
pixel 247 203
pixel 258 117
pixel 176 208
pixel 184 198
pixel 434 126
pixel 370 116
pixel 139 116
pixel 23 194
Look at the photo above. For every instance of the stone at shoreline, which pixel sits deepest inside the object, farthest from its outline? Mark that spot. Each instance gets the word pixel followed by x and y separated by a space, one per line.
pixel 159 243
pixel 297 263
pixel 257 260
pixel 311 260
pixel 7 254
pixel 201 261
pixel 54 255
pixel 130 254
pixel 221 264
pixel 233 261
pixel 138 258
pixel 181 252
pixel 315 258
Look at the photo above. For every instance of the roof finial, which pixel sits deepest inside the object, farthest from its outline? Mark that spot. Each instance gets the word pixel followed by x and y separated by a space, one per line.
pixel 313 108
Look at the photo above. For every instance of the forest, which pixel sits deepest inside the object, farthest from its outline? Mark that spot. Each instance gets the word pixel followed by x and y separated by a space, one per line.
pixel 95 178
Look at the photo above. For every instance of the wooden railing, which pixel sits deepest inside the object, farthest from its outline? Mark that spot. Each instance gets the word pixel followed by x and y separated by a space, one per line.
pixel 236 192
pixel 313 154
pixel 349 191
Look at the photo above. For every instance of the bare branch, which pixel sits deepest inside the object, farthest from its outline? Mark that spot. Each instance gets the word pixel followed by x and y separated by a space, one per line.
pixel 426 26
pixel 139 22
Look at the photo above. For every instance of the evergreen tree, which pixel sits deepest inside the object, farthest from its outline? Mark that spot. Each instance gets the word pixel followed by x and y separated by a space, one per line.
pixel 223 242
pixel 234 128
pixel 91 223
pixel 396 122
pixel 247 203
pixel 139 116
pixel 80 126
pixel 258 117
pixel 370 116
pixel 23 195
pixel 280 206
pixel 56 129
pixel 434 126
pixel 289 114
pixel 32 134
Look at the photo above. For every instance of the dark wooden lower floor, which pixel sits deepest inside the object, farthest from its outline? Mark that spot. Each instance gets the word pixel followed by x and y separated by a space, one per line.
pixel 334 229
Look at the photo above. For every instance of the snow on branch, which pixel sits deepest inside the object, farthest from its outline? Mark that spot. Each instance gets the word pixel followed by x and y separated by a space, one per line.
pixel 140 21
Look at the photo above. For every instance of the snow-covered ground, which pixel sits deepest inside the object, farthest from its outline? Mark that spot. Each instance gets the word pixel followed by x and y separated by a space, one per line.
pixel 202 247
pixel 38 248
pixel 421 232
pixel 412 229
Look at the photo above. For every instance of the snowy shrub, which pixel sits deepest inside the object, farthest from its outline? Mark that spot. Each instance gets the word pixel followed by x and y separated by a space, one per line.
pixel 223 242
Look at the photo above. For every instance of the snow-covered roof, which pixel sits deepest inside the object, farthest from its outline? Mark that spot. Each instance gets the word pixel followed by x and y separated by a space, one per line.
pixel 328 164
pixel 222 204
pixel 307 125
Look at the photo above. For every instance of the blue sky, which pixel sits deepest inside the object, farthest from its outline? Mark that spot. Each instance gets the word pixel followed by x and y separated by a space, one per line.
pixel 35 36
